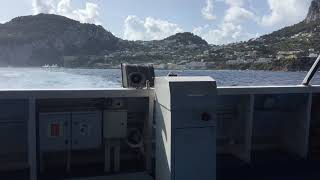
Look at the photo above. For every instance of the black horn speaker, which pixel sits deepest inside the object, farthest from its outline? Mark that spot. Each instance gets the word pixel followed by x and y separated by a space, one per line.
pixel 136 76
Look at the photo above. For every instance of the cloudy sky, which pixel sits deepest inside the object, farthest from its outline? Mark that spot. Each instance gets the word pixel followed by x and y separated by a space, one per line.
pixel 217 21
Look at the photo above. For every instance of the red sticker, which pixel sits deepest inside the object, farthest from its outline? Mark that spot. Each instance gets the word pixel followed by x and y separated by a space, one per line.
pixel 55 130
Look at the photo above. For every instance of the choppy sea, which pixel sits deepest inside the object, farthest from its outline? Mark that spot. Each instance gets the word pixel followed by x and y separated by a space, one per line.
pixel 42 78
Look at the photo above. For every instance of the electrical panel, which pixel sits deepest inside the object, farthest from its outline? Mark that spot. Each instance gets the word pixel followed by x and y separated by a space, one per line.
pixel 115 124
pixel 86 130
pixel 54 131
pixel 70 130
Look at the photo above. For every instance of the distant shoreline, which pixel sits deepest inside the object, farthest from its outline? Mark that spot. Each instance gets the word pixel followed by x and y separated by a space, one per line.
pixel 40 67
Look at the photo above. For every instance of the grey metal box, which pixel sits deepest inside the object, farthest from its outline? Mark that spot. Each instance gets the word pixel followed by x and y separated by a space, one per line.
pixel 195 153
pixel 115 124
pixel 86 130
pixel 182 93
pixel 185 128
pixel 54 131
pixel 193 118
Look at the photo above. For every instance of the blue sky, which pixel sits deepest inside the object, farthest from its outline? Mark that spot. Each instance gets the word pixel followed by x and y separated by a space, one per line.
pixel 217 21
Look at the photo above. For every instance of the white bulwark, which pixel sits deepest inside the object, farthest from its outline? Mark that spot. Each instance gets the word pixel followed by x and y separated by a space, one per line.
pixel 174 131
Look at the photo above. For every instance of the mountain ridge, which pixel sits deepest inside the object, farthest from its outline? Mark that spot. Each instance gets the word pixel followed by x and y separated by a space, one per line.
pixel 53 39
pixel 314 12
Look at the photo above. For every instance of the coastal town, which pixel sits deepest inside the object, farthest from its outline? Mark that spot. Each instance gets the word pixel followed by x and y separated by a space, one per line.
pixel 184 54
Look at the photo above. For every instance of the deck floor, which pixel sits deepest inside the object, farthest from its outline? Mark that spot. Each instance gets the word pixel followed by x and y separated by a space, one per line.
pixel 282 168
pixel 229 168
pixel 137 176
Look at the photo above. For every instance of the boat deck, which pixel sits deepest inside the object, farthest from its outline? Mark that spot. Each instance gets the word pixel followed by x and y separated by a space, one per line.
pixel 294 156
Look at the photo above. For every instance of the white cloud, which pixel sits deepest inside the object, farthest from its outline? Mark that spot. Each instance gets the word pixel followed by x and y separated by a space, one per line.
pixel 225 34
pixel 148 29
pixel 207 11
pixel 64 7
pixel 238 14
pixel 230 29
pixel 285 12
pixel 158 29
pixel 134 28
pixel 43 6
pixel 89 14
pixel 238 3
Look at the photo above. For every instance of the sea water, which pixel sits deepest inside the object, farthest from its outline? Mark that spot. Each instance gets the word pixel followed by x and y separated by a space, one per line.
pixel 61 78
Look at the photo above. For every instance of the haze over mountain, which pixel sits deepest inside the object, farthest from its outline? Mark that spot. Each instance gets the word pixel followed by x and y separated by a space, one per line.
pixel 52 39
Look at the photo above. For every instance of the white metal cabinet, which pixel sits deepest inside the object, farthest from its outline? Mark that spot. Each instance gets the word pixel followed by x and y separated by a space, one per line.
pixel 75 131
pixel 115 124
pixel 54 131
pixel 86 130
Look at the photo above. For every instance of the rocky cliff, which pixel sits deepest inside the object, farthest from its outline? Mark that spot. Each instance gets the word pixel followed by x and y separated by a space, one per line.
pixel 314 12
pixel 45 39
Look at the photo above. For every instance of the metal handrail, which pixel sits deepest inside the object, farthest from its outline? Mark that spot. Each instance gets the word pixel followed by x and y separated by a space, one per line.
pixel 311 72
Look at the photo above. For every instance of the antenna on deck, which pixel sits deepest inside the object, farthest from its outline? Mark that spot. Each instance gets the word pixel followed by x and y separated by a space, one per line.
pixel 311 72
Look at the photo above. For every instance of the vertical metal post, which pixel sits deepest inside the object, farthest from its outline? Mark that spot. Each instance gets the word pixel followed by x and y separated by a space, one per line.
pixel 116 151
pixel 32 139
pixel 68 162
pixel 149 131
pixel 311 72
pixel 308 124
pixel 107 157
pixel 249 128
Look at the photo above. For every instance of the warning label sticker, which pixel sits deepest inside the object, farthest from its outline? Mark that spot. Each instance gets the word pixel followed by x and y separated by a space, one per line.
pixel 55 130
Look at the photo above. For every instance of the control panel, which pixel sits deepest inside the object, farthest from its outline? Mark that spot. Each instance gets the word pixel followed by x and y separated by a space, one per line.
pixel 86 130
pixel 54 131
pixel 115 124
pixel 70 130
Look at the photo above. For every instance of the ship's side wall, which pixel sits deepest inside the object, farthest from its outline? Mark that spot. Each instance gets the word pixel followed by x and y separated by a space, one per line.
pixel 252 119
